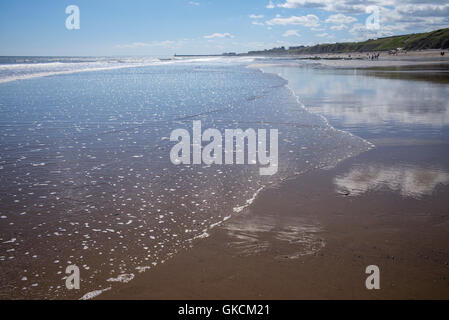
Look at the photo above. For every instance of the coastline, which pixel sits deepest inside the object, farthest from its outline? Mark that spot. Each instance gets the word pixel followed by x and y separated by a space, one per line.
pixel 131 227
pixel 358 60
pixel 272 229
pixel 306 239
pixel 225 158
pixel 404 237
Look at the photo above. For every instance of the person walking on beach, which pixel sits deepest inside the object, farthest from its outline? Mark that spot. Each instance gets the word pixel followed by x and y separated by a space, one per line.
pixel 374 56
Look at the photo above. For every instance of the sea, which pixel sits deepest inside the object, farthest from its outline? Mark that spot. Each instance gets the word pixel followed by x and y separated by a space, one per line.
pixel 85 172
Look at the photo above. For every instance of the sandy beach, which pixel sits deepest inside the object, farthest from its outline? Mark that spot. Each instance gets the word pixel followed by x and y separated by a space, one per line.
pixel 247 258
pixel 362 60
pixel 362 180
pixel 225 158
pixel 312 236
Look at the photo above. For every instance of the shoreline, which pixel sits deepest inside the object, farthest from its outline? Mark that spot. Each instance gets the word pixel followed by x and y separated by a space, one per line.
pixel 255 255
pixel 358 60
pixel 430 54
pixel 237 211
pixel 122 238
pixel 274 229
pixel 316 242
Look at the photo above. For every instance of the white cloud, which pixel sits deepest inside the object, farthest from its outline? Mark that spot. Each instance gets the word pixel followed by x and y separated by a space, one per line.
pixel 290 33
pixel 152 44
pixel 270 5
pixel 406 180
pixel 340 19
pixel 395 15
pixel 257 23
pixel 219 35
pixel 290 4
pixel 425 10
pixel 309 20
pixel 255 16
pixel 361 33
pixel 339 27
pixel 322 35
pixel 346 6
pixel 193 3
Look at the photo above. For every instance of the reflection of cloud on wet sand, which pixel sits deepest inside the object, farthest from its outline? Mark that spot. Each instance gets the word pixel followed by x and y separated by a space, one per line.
pixel 357 99
pixel 290 239
pixel 409 181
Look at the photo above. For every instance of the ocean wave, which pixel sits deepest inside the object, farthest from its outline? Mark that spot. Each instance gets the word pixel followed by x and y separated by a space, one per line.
pixel 23 71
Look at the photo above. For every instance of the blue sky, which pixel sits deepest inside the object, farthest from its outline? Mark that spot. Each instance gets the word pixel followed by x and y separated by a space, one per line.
pixel 154 27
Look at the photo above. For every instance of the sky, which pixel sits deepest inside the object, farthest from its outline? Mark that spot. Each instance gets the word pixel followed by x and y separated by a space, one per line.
pixel 166 27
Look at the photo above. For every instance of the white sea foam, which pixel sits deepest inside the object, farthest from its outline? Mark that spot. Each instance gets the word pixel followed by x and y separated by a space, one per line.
pixel 93 294
pixel 121 226
pixel 125 278
pixel 34 72
pixel 24 71
pixel 248 202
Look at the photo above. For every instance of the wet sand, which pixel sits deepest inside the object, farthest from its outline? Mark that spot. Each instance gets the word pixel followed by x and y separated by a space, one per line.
pixel 306 239
pixel 101 192
pixel 313 236
pixel 310 237
pixel 361 60
pixel 422 56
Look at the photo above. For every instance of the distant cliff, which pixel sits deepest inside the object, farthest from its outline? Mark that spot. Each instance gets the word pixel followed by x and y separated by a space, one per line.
pixel 438 39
